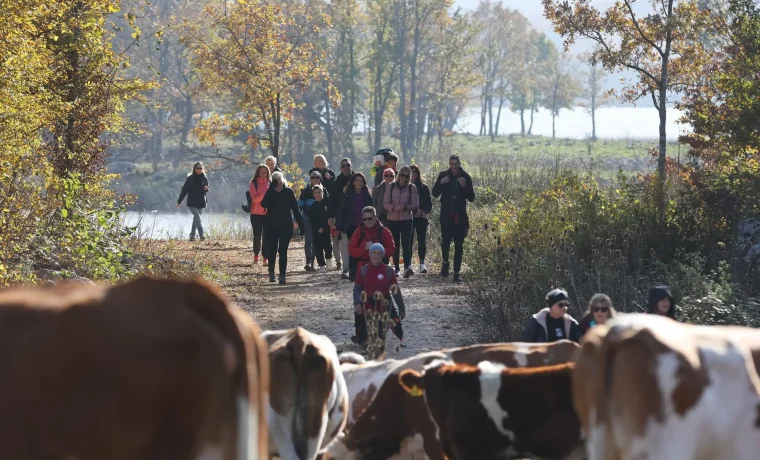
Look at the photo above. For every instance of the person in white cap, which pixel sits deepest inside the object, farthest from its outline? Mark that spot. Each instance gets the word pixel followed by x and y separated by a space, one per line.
pixel 377 277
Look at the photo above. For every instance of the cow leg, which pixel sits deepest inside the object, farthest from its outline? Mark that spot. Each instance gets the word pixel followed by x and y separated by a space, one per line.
pixel 281 436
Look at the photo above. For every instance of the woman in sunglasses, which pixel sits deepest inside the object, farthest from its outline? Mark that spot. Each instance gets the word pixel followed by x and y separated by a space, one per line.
pixel 552 323
pixel 600 310
pixel 195 188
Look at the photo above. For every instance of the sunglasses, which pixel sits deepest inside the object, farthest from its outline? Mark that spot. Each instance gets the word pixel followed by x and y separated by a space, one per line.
pixel 367 219
pixel 315 178
pixel 454 164
pixel 387 175
pixel 403 175
pixel 199 168
pixel 563 305
pixel 601 309
pixel 345 166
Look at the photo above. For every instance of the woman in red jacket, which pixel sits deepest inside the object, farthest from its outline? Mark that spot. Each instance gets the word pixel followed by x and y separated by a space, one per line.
pixel 371 231
pixel 375 285
pixel 258 187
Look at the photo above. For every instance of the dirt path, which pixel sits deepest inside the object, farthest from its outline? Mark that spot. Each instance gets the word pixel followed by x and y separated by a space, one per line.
pixel 322 303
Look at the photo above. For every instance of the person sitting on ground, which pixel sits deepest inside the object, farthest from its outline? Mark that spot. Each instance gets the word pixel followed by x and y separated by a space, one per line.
pixel 552 323
pixel 661 301
pixel 371 231
pixel 319 214
pixel 378 282
pixel 600 309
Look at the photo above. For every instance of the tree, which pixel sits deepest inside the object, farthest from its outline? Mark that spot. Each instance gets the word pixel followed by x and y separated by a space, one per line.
pixel 594 91
pixel 663 47
pixel 532 80
pixel 564 87
pixel 262 55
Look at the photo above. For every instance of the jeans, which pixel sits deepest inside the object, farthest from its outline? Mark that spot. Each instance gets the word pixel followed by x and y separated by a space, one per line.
pixel 457 232
pixel 257 222
pixel 322 245
pixel 197 224
pixel 279 240
pixel 420 228
pixel 402 236
pixel 308 240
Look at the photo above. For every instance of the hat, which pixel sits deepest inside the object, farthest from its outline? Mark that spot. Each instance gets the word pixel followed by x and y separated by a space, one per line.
pixel 315 174
pixel 556 295
pixel 377 247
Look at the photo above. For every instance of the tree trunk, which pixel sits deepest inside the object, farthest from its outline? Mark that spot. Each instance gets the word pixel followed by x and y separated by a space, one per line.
pixel 498 118
pixel 188 119
pixel 522 121
pixel 483 105
pixel 593 116
pixel 400 59
pixel 530 128
pixel 351 97
pixel 329 132
pixel 411 134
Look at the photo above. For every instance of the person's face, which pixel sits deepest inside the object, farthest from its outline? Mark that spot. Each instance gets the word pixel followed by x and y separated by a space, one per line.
pixel 318 194
pixel 319 163
pixel 376 257
pixel 388 177
pixel 454 166
pixel 558 309
pixel 198 170
pixel 270 165
pixel 391 163
pixel 315 180
pixel 368 219
pixel 403 178
pixel 414 176
pixel 262 173
pixel 601 313
pixel 358 183
pixel 345 168
pixel 663 306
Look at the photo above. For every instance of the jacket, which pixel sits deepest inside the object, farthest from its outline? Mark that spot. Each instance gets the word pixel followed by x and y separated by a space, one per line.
pixel 257 190
pixel 454 197
pixel 372 279
pixel 329 184
pixel 375 234
pixel 396 195
pixel 318 213
pixel 536 331
pixel 657 293
pixel 193 189
pixel 344 217
pixel 378 195
pixel 279 207
pixel 336 194
pixel 306 199
pixel 424 202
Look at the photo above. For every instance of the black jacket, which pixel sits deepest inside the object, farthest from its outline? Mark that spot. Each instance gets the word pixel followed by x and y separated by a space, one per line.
pixel 326 183
pixel 318 214
pixel 454 197
pixel 344 215
pixel 536 331
pixel 306 199
pixel 336 194
pixel 279 206
pixel 426 202
pixel 657 293
pixel 193 188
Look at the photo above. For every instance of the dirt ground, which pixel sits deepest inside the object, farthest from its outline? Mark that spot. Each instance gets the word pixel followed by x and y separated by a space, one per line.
pixel 322 303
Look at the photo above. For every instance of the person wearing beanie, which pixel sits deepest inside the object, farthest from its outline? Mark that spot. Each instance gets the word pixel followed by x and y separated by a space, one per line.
pixel 378 194
pixel 552 323
pixel 375 289
pixel 661 301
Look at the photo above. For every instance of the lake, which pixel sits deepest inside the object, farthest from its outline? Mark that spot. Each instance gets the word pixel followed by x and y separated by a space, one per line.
pixel 161 225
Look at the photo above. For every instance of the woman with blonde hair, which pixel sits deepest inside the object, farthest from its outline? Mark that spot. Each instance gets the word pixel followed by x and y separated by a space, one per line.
pixel 600 310
pixel 282 206
pixel 328 175
pixel 195 188
pixel 257 189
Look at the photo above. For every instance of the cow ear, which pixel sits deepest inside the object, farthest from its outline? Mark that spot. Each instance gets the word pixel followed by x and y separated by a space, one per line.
pixel 411 381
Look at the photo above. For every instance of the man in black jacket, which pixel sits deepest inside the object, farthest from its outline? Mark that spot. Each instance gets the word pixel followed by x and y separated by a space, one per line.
pixel 552 323
pixel 454 186
pixel 336 194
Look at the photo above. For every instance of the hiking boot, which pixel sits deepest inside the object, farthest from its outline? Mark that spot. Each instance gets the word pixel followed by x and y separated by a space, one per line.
pixel 255 259
pixel 192 237
pixel 203 238
pixel 282 279
pixel 308 268
pixel 423 268
pixel 338 265
pixel 458 278
pixel 445 270
pixel 408 272
pixel 272 279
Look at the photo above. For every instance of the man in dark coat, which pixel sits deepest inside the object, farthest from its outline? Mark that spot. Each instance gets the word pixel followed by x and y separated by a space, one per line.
pixel 552 323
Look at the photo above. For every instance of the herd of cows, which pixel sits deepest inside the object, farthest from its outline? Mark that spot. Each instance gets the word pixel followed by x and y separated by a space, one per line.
pixel 169 369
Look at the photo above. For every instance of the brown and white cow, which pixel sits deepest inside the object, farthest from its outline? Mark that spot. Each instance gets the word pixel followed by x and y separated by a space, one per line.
pixel 309 403
pixel 385 422
pixel 150 369
pixel 491 411
pixel 648 387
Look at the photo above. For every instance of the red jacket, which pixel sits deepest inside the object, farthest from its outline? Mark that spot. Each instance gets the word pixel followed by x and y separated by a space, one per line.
pixel 379 279
pixel 363 235
pixel 257 194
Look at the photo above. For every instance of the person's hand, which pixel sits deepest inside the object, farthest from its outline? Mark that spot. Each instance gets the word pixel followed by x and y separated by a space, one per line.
pixel 398 207
pixel 401 312
pixel 321 230
pixel 461 181
pixel 367 245
pixel 418 212
pixel 179 204
pixel 445 180
pixel 358 309
pixel 327 176
pixel 205 188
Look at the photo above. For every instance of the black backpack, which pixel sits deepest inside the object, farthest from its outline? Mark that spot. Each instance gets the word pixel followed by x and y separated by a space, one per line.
pixel 247 207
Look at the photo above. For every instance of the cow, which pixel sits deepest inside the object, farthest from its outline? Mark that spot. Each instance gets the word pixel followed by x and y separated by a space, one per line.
pixel 648 387
pixel 491 411
pixel 308 405
pixel 150 369
pixel 387 422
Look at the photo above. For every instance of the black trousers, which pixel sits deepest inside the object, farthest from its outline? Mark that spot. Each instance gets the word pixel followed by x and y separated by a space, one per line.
pixel 322 245
pixel 456 231
pixel 352 261
pixel 279 240
pixel 402 236
pixel 257 222
pixel 420 228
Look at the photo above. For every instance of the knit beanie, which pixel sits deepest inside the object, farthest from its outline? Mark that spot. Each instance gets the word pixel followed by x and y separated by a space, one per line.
pixel 555 295
pixel 377 247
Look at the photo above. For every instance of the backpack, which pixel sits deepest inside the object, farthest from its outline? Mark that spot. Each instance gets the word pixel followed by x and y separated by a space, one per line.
pixel 365 266
pixel 410 191
pixel 247 207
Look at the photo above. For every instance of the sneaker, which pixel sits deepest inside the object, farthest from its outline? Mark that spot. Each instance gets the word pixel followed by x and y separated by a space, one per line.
pixel 255 259
pixel 282 279
pixel 344 276
pixel 408 272
pixel 445 270
pixel 203 238
pixel 329 264
pixel 272 279
pixel 458 278
pixel 321 268
pixel 192 238
pixel 423 268
pixel 338 265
